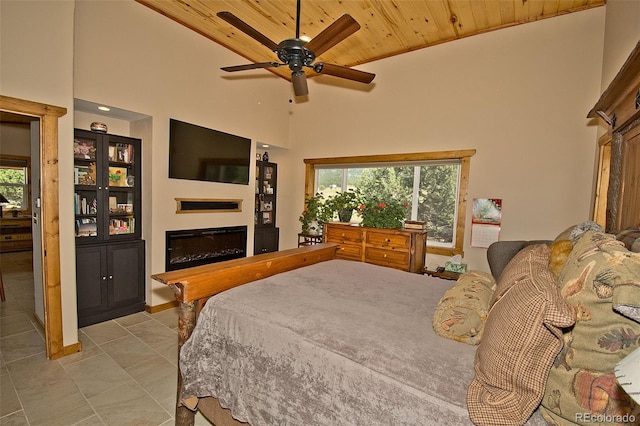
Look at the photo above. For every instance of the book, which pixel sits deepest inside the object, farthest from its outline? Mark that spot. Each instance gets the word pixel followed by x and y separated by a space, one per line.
pixel 414 224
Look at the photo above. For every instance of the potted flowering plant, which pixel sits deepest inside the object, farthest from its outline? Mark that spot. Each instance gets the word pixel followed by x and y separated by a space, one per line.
pixel 314 215
pixel 383 214
pixel 343 203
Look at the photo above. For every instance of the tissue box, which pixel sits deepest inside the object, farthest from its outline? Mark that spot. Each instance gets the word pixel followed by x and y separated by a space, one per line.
pixel 455 267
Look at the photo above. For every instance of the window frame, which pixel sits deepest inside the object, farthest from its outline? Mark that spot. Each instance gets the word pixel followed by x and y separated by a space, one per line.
pixel 24 162
pixel 464 156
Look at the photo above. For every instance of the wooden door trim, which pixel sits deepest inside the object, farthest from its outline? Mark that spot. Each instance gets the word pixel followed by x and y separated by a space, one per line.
pixel 50 218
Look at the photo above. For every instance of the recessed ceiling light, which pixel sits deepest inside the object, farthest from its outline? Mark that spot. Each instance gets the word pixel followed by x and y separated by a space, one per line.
pixel 104 108
pixel 265 145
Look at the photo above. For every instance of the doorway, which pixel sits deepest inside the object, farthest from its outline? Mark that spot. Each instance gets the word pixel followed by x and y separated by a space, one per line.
pixel 49 247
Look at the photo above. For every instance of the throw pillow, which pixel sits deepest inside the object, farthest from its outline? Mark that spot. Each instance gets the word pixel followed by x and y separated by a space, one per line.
pixel 560 250
pixel 600 281
pixel 461 313
pixel 522 337
pixel 631 239
pixel 574 232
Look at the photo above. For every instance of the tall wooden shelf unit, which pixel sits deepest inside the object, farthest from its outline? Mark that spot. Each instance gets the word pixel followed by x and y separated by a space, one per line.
pixel 266 234
pixel 110 266
pixel 617 201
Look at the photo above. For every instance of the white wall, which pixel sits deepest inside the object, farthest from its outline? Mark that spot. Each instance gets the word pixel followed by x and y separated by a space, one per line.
pixel 621 36
pixel 519 96
pixel 141 61
pixel 36 47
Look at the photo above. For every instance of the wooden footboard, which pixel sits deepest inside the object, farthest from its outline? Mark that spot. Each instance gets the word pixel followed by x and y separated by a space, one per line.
pixel 193 286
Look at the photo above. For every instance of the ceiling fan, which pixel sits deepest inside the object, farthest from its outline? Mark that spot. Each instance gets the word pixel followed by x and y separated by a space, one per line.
pixel 297 53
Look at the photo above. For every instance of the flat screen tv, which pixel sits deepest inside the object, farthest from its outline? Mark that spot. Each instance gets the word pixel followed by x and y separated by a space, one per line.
pixel 198 153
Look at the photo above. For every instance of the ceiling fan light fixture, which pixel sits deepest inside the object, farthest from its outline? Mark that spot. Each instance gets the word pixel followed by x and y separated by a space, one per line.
pixel 299 80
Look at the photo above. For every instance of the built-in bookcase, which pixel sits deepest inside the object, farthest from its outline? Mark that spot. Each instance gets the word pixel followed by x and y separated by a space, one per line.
pixel 107 206
pixel 266 234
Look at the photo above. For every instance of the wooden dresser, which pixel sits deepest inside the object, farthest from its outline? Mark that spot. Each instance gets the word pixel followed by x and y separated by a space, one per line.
pixel 15 234
pixel 395 248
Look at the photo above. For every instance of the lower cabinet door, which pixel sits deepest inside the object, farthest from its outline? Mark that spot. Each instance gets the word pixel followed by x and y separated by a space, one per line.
pixel 266 240
pixel 110 281
pixel 126 274
pixel 91 280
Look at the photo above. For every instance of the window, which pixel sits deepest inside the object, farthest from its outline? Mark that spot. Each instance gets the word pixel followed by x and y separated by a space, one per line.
pixel 14 182
pixel 434 185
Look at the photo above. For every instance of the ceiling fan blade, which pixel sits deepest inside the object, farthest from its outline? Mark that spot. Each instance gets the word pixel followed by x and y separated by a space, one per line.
pixel 251 66
pixel 299 80
pixel 343 72
pixel 248 30
pixel 342 28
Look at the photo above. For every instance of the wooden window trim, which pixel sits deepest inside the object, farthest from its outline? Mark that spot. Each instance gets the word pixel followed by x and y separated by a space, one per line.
pixel 465 164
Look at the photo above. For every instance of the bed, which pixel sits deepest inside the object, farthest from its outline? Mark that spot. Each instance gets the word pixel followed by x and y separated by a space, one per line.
pixel 316 340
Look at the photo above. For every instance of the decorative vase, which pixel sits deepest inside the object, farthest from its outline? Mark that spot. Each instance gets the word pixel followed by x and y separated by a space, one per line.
pixel 345 215
pixel 314 228
pixel 98 127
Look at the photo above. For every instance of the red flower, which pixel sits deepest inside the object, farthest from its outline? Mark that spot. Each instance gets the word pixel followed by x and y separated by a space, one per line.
pixel 382 205
pixel 406 204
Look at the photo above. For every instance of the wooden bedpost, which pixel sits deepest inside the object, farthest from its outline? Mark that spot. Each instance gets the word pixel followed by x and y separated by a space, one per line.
pixel 186 323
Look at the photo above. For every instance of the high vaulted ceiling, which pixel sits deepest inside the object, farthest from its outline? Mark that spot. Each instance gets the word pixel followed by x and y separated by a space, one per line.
pixel 388 27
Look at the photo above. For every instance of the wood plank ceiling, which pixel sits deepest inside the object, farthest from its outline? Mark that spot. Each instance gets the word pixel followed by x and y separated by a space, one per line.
pixel 388 27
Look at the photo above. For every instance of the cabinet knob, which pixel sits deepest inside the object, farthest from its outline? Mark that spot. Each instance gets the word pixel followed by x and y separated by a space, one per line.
pixel 385 255
pixel 388 240
pixel 110 277
pixel 104 278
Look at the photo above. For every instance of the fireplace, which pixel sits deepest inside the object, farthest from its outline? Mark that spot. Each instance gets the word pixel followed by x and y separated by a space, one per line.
pixel 195 247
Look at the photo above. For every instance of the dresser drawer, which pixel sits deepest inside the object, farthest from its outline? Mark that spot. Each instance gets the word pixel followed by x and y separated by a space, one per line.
pixel 392 258
pixel 395 241
pixel 343 233
pixel 349 252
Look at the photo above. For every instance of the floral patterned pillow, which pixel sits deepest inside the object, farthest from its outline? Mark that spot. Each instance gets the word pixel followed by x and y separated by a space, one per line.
pixel 462 311
pixel 600 277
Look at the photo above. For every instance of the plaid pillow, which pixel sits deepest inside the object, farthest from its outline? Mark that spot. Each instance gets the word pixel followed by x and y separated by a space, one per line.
pixel 522 336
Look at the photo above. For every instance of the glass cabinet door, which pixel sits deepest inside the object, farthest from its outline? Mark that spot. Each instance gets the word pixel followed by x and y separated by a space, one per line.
pixel 120 187
pixel 265 202
pixel 86 176
pixel 107 187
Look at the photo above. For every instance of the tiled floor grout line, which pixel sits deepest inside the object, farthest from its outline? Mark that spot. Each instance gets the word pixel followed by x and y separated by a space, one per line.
pixel 19 305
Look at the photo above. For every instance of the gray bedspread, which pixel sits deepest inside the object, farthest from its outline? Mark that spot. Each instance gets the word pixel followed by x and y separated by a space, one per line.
pixel 337 343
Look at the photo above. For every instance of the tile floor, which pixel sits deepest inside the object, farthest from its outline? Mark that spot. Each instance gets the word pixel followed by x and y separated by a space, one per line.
pixel 125 374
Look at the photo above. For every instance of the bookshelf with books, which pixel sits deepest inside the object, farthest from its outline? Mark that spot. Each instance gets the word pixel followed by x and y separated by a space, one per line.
pixel 107 207
pixel 266 234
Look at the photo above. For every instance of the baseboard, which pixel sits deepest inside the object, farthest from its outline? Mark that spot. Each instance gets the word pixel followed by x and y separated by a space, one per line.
pixel 68 350
pixel 160 308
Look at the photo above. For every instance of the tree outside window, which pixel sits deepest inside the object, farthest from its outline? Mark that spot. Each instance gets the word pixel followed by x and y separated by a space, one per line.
pixel 432 183
pixel 14 184
pixel 435 195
